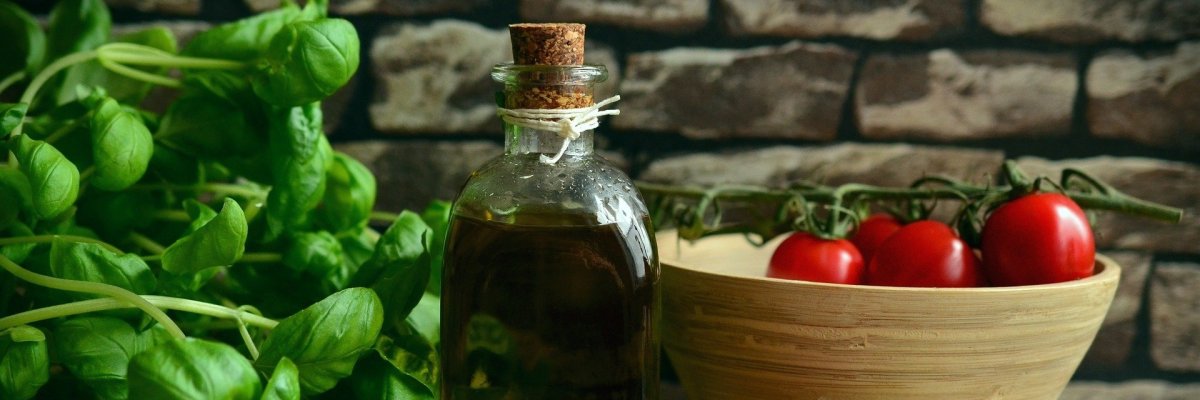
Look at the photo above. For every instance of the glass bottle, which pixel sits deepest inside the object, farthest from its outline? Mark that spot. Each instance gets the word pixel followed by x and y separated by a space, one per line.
pixel 551 272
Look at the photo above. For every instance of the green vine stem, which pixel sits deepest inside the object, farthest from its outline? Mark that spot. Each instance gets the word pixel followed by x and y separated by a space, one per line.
pixel 217 188
pixel 102 289
pixel 11 79
pixel 168 303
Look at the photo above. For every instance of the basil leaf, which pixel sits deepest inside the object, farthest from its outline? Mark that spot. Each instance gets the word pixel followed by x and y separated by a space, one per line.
pixel 121 147
pixel 11 115
pixel 318 253
pixel 53 179
pixel 420 365
pixel 308 61
pixel 17 253
pixel 24 363
pixel 124 89
pixel 192 369
pixel 437 216
pixel 349 194
pixel 15 192
pixel 189 121
pixel 97 351
pixel 28 44
pixel 299 156
pixel 399 268
pixel 115 214
pixel 284 383
pixel 246 39
pixel 174 166
pixel 375 378
pixel 93 263
pixel 77 25
pixel 326 338
pixel 220 241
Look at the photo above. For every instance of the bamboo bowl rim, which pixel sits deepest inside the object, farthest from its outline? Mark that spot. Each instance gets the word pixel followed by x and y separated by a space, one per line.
pixel 1106 270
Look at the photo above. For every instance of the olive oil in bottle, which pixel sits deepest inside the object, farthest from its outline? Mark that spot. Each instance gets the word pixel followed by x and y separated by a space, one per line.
pixel 550 288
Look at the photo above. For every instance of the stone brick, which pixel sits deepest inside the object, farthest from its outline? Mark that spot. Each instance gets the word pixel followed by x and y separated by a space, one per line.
pixel 411 174
pixel 1174 324
pixel 792 91
pixel 877 164
pixel 1115 339
pixel 1085 21
pixel 435 78
pixel 946 95
pixel 871 19
pixel 263 5
pixel 402 7
pixel 1150 100
pixel 1165 182
pixel 655 15
pixel 1131 390
pixel 178 7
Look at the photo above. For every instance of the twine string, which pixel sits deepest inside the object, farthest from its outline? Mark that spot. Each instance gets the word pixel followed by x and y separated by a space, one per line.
pixel 568 123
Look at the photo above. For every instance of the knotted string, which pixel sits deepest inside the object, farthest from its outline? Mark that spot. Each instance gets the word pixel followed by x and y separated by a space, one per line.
pixel 568 123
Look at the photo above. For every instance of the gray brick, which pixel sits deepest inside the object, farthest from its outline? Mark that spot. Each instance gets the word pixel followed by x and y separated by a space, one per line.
pixel 790 91
pixel 1114 342
pixel 1174 324
pixel 178 7
pixel 947 95
pixel 411 174
pixel 1085 21
pixel 402 7
pixel 655 15
pixel 1150 100
pixel 871 19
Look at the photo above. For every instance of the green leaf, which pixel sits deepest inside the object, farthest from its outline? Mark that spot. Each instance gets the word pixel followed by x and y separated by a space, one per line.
pixel 15 194
pixel 437 216
pixel 349 194
pixel 53 179
pixel 174 166
pixel 399 268
pixel 24 36
pixel 308 61
pixel 115 214
pixel 124 89
pixel 93 263
pixel 24 365
pixel 200 214
pixel 284 383
pixel 121 147
pixel 192 369
pixel 375 378
pixel 77 25
pixel 25 333
pixel 97 350
pixel 299 155
pixel 318 253
pixel 246 39
pixel 18 252
pixel 189 121
pixel 326 338
pixel 220 241
pixel 11 115
pixel 420 365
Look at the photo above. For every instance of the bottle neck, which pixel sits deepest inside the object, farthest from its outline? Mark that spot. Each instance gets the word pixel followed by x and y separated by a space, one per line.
pixel 519 140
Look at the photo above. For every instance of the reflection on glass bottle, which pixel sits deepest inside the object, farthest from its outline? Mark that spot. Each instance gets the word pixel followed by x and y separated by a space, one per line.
pixel 551 280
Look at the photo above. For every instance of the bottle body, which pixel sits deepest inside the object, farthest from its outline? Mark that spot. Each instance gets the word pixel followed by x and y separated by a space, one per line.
pixel 550 288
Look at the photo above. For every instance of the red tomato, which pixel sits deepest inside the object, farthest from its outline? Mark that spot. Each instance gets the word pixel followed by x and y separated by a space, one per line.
pixel 924 254
pixel 803 256
pixel 1038 238
pixel 872 232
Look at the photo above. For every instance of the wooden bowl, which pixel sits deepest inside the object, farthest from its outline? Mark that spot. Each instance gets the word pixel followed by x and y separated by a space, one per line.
pixel 733 333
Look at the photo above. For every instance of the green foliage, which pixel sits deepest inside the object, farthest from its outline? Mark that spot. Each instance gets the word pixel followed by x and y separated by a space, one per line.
pixel 121 146
pixel 299 156
pixel 10 116
pixel 97 351
pixel 215 240
pixel 24 362
pixel 349 195
pixel 399 267
pixel 192 369
pixel 124 89
pixel 326 338
pixel 284 383
pixel 53 179
pixel 308 61
pixel 28 44
pixel 92 263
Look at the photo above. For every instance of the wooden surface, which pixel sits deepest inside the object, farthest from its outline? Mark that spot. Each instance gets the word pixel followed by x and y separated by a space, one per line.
pixel 733 334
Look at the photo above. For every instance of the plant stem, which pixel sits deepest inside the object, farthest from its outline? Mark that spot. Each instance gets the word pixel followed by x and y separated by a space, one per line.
pixel 140 75
pixel 49 71
pixel 219 188
pixel 169 303
pixel 50 238
pixel 171 215
pixel 264 258
pixel 64 130
pixel 384 216
pixel 135 54
pixel 146 243
pixel 102 289
pixel 11 79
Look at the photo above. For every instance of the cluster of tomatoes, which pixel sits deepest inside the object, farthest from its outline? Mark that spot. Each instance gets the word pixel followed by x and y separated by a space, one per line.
pixel 1034 239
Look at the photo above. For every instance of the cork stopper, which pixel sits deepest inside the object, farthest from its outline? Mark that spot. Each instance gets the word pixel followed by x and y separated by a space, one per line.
pixel 554 44
pixel 547 44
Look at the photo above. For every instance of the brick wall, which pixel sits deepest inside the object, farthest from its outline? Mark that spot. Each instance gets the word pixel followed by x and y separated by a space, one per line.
pixel 877 91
